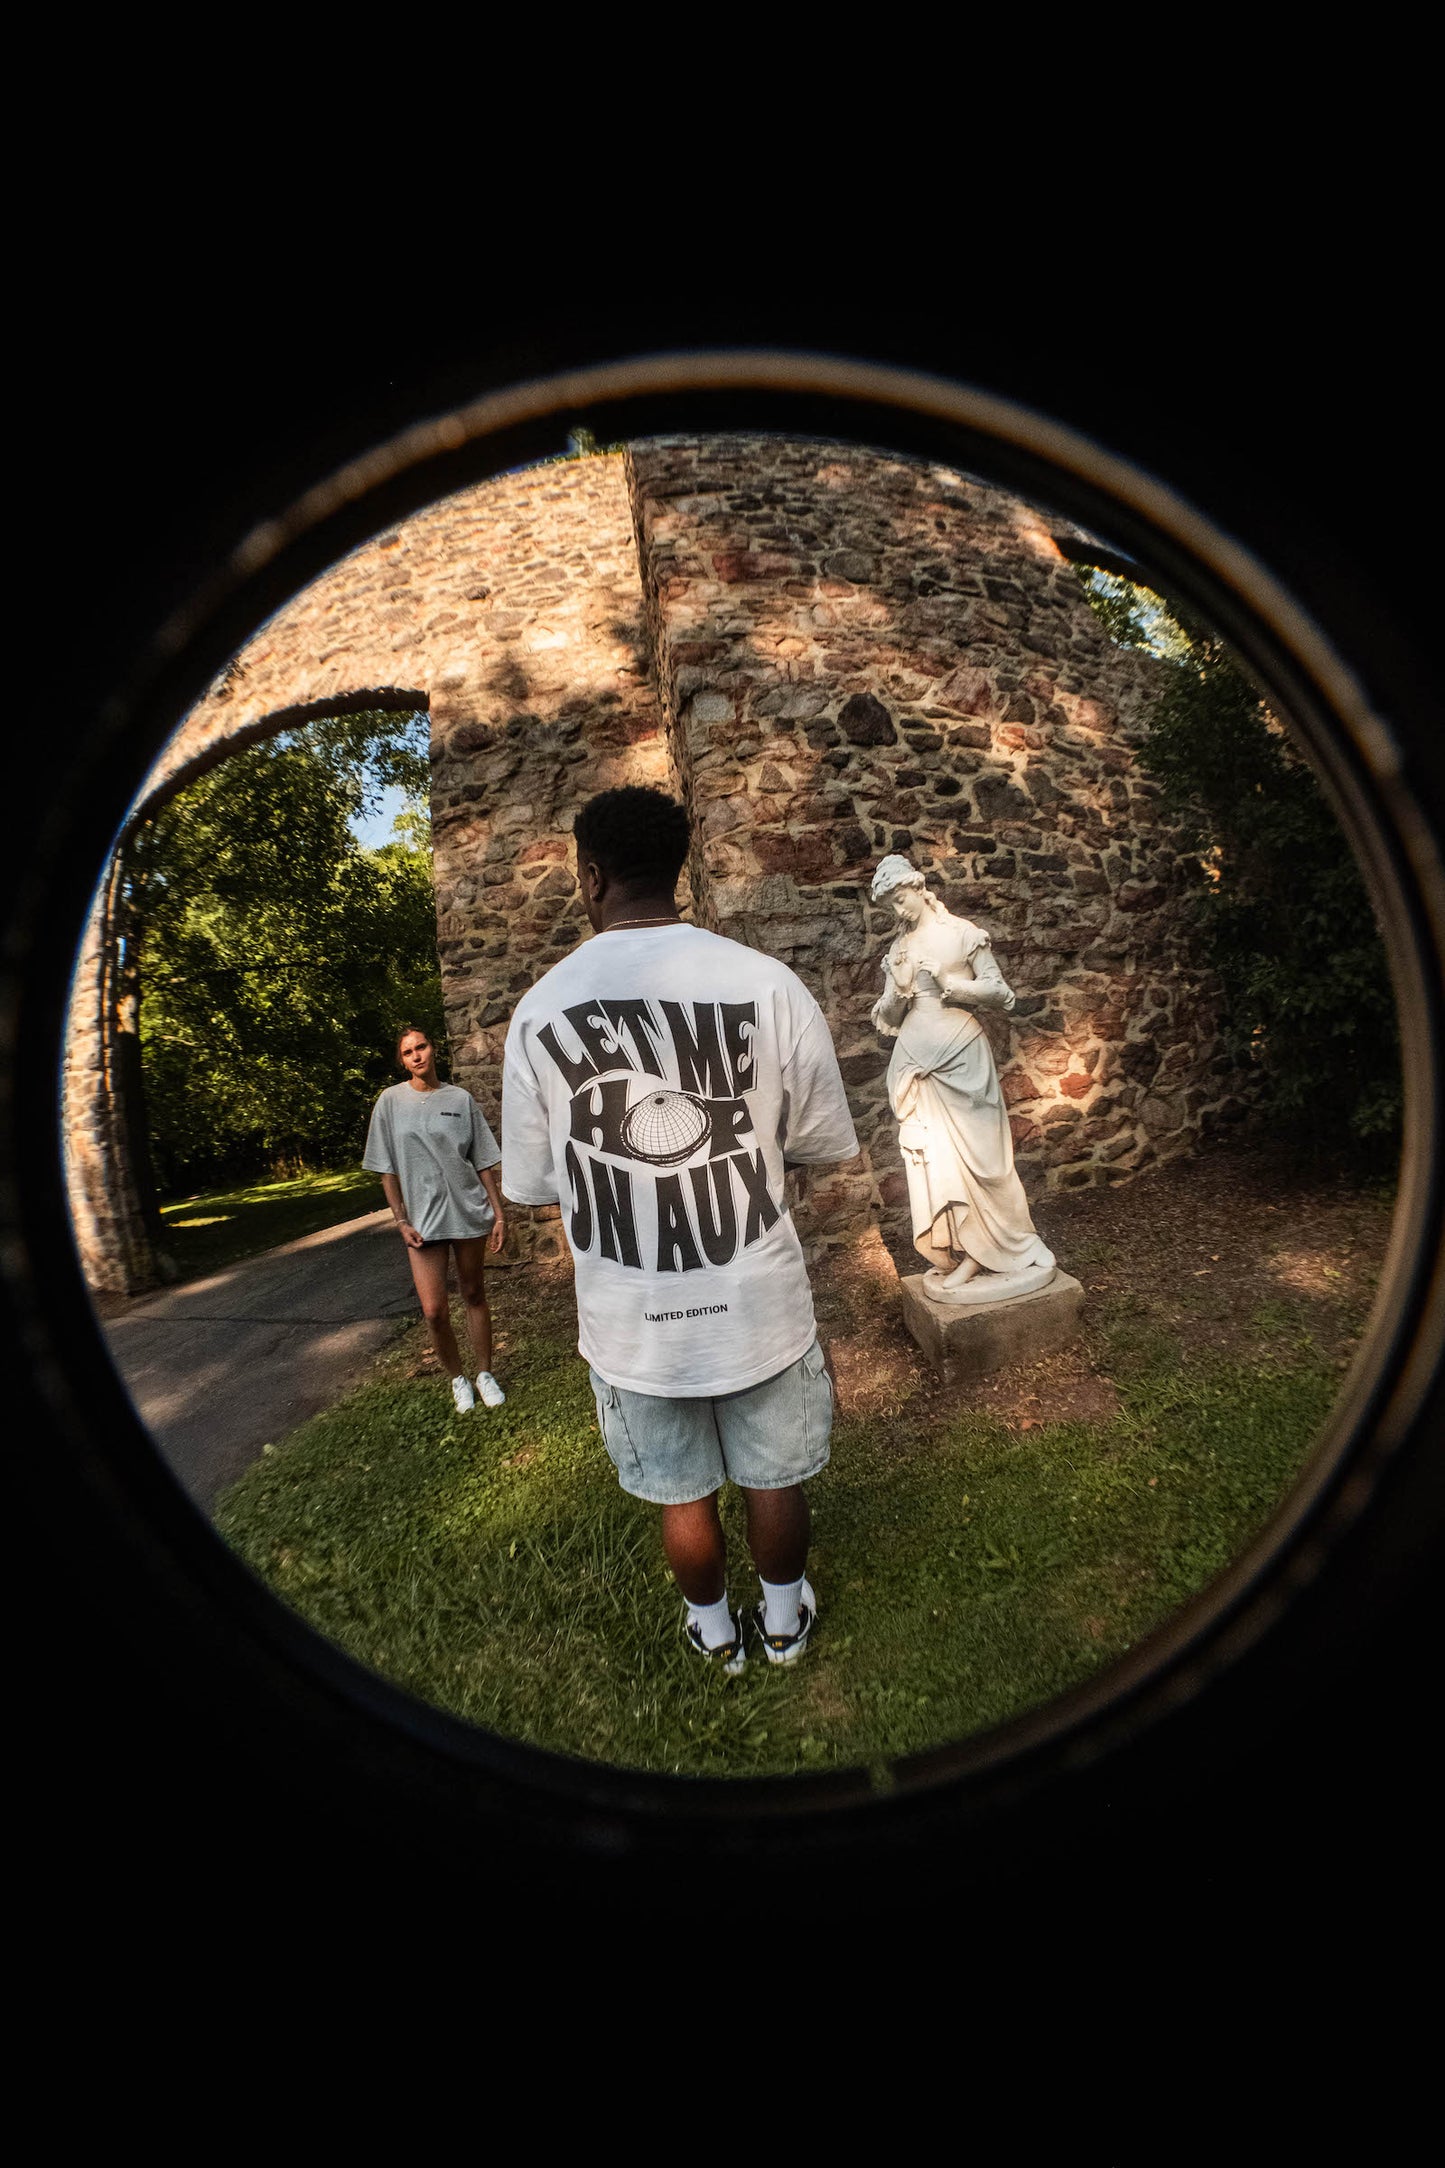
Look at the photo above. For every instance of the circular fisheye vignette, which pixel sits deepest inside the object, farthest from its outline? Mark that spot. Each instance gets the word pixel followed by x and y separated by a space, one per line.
pixel 1180 553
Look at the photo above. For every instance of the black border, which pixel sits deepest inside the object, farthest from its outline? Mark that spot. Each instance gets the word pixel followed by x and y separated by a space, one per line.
pixel 145 1510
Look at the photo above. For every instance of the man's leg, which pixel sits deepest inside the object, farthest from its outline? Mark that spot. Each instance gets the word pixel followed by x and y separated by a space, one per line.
pixel 697 1553
pixel 696 1549
pixel 779 1526
pixel 666 1446
pixel 774 1437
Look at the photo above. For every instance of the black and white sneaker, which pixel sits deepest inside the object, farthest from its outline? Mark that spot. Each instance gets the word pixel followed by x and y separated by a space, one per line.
pixel 730 1654
pixel 787 1648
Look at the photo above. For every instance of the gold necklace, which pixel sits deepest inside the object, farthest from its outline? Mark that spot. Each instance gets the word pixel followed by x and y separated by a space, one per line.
pixel 618 924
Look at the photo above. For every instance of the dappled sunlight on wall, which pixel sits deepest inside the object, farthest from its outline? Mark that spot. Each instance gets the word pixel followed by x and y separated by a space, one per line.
pixel 830 653
pixel 860 654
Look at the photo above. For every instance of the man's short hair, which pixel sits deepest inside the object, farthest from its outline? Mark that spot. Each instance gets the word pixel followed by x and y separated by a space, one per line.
pixel 637 836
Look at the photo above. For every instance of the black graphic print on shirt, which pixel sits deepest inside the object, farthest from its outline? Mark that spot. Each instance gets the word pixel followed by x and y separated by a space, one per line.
pixel 662 1159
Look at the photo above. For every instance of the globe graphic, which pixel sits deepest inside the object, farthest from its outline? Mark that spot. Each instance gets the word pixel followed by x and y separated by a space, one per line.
pixel 665 1128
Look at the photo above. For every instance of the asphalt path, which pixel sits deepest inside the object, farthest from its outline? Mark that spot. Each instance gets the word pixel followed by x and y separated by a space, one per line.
pixel 221 1367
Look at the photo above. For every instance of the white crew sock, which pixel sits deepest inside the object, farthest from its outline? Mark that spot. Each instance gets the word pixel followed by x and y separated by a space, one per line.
pixel 780 1605
pixel 714 1621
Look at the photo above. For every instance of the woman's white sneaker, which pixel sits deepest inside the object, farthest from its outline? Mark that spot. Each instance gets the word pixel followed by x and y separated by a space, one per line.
pixel 490 1390
pixel 463 1395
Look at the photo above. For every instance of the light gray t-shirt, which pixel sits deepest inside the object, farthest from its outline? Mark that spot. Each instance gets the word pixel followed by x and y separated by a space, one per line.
pixel 434 1142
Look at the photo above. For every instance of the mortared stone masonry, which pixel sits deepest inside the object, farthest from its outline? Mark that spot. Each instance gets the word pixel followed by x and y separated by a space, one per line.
pixel 829 654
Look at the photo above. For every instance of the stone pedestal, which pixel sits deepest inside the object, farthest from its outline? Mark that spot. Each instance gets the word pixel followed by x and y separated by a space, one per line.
pixel 964 1341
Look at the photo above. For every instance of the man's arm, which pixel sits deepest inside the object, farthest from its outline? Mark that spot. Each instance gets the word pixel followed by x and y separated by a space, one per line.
pixel 817 1122
pixel 486 1159
pixel 528 1174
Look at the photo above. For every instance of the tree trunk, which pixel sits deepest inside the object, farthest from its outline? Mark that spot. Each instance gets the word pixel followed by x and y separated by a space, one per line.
pixel 129 1072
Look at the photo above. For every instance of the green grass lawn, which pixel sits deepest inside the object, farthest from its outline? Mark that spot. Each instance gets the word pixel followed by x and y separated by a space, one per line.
pixel 968 1566
pixel 207 1232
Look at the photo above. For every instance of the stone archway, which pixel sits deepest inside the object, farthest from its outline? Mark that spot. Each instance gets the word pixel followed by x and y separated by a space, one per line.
pixel 512 614
pixel 113 1208
pixel 827 652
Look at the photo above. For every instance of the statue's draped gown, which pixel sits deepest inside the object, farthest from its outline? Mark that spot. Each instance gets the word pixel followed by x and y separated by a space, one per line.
pixel 963 1189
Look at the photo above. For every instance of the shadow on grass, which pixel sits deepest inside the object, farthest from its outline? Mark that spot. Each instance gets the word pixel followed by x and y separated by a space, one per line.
pixel 205 1233
pixel 965 1571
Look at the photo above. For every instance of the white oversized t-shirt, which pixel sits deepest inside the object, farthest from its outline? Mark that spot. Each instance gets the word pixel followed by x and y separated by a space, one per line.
pixel 655 1082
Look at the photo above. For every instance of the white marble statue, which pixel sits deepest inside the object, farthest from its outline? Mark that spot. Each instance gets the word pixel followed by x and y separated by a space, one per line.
pixel 970 1216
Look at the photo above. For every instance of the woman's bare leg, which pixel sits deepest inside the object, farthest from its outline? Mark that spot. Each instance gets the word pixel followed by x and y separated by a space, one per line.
pixel 471 1279
pixel 429 1271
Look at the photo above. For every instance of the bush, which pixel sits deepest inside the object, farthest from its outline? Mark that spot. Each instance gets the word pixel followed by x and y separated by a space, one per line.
pixel 1282 913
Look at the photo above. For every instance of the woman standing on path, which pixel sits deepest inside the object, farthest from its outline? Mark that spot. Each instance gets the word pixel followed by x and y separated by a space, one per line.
pixel 436 1156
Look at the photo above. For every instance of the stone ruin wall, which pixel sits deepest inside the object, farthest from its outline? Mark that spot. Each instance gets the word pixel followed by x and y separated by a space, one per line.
pixel 110 1229
pixel 512 612
pixel 829 653
pixel 859 654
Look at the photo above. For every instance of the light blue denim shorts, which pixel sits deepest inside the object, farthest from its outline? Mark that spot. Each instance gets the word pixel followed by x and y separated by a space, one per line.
pixel 766 1437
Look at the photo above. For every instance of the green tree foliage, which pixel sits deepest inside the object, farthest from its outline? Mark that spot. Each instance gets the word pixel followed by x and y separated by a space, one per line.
pixel 582 444
pixel 277 957
pixel 1282 913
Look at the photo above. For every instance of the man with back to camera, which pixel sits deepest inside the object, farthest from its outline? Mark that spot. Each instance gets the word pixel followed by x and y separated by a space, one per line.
pixel 656 1081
